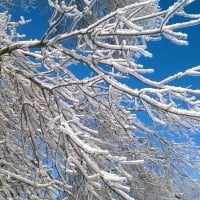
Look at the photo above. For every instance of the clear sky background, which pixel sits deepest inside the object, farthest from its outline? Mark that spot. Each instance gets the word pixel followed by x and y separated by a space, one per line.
pixel 168 58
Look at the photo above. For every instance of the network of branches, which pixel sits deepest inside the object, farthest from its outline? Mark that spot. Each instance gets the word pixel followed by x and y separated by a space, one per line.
pixel 97 137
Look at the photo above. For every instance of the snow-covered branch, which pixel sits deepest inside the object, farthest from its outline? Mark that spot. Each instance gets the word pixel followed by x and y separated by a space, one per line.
pixel 66 137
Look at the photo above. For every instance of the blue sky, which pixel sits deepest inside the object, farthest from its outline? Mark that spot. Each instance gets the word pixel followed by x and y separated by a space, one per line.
pixel 168 58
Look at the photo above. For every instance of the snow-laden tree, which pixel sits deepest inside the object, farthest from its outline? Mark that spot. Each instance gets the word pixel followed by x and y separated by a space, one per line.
pixel 63 137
